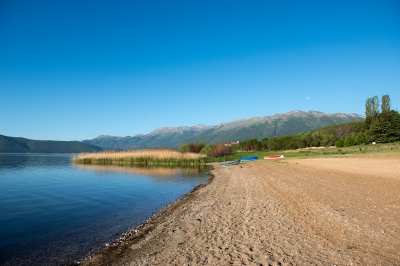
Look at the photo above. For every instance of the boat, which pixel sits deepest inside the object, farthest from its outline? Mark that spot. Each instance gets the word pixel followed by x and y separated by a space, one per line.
pixel 230 163
pixel 278 156
pixel 247 159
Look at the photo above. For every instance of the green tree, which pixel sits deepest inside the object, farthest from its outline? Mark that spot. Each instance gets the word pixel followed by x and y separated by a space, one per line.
pixel 386 127
pixel 375 106
pixel 385 103
pixel 368 136
pixel 339 143
pixel 184 147
pixel 349 141
pixel 359 139
pixel 263 144
pixel 206 149
pixel 192 147
pixel 316 139
pixel 273 144
pixel 368 111
pixel 249 145
pixel 328 139
pixel 289 142
pixel 306 138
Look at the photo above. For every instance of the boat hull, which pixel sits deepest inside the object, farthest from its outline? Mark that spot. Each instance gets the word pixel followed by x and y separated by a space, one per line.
pixel 230 163
pixel 279 156
pixel 247 159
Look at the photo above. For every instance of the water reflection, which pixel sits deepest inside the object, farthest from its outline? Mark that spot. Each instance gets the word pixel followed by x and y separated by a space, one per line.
pixel 55 212
pixel 153 172
pixel 14 162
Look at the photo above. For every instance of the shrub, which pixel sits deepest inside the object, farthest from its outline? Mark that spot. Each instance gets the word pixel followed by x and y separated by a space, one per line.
pixel 206 149
pixel 339 143
pixel 360 139
pixel 192 147
pixel 220 150
pixel 349 141
pixel 249 145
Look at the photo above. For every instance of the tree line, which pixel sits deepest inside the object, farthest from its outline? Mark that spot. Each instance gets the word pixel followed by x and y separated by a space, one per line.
pixel 381 125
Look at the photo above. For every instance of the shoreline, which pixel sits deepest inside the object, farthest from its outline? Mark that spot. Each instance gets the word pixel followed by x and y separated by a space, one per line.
pixel 134 235
pixel 297 211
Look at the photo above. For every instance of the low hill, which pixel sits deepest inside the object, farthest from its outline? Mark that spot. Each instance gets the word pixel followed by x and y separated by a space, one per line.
pixel 290 123
pixel 22 145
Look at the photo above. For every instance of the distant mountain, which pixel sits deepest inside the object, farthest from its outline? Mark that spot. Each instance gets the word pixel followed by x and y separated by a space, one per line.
pixel 161 137
pixel 290 123
pixel 22 145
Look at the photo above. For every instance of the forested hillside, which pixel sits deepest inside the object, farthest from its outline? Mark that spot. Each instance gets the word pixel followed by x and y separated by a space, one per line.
pixel 22 145
pixel 382 125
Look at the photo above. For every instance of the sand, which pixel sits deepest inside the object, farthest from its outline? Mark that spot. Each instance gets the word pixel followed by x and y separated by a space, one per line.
pixel 315 211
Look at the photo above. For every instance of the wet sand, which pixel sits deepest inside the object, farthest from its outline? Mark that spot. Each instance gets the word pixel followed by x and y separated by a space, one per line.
pixel 314 211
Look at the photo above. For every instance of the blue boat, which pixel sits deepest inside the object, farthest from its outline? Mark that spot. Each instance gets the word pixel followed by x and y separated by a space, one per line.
pixel 230 163
pixel 247 159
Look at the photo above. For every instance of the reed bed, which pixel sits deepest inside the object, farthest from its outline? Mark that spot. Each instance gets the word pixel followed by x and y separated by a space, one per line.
pixel 141 157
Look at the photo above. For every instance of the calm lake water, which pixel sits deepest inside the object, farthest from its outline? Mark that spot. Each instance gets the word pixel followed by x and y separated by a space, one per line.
pixel 55 213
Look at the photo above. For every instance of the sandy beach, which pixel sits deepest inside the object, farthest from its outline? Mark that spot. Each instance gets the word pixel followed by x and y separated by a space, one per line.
pixel 314 211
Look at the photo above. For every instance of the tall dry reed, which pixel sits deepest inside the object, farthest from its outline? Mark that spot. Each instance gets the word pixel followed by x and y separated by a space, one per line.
pixel 140 157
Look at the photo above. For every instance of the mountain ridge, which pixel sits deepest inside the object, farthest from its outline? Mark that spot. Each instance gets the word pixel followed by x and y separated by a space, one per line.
pixel 279 124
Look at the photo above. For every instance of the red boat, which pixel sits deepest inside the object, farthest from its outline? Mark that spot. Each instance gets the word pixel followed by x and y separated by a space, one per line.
pixel 279 156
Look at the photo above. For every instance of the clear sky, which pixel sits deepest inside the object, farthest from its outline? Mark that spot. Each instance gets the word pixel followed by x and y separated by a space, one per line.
pixel 73 70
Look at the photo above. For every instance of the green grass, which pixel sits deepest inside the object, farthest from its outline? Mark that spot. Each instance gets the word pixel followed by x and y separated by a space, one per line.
pixel 386 149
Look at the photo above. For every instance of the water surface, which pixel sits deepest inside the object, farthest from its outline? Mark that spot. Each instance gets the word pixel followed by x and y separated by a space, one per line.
pixel 54 213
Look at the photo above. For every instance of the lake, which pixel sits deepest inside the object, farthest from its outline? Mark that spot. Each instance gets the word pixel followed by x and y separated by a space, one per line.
pixel 55 213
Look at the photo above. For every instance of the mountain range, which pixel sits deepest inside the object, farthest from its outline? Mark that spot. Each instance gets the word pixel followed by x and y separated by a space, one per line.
pixel 281 124
pixel 22 145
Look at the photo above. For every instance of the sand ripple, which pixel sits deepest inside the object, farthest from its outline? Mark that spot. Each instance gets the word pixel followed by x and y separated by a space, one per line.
pixel 321 211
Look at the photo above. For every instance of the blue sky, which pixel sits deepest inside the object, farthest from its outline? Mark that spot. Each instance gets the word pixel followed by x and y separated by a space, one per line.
pixel 73 70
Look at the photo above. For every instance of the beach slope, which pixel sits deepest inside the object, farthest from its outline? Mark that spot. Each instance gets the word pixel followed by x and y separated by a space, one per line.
pixel 319 211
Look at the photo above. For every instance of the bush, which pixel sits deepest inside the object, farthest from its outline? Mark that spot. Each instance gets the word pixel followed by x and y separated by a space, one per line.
pixel 206 149
pixel 349 141
pixel 192 147
pixel 249 145
pixel 220 150
pixel 368 137
pixel 339 143
pixel 360 139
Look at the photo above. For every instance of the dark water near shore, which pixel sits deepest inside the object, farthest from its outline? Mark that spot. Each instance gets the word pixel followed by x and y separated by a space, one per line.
pixel 55 213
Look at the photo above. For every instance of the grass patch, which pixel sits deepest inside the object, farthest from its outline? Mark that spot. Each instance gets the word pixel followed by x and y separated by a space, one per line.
pixel 387 149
